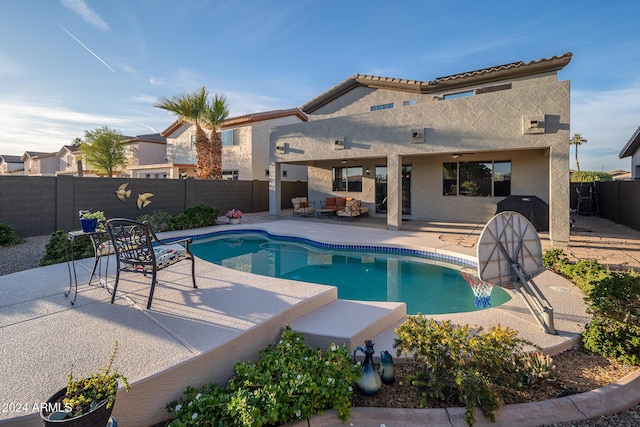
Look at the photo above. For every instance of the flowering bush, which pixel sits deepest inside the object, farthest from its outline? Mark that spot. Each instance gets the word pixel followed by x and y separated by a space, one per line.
pixel 234 213
pixel 289 382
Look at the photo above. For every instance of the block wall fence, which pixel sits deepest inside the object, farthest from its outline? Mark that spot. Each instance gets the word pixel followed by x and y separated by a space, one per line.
pixel 37 206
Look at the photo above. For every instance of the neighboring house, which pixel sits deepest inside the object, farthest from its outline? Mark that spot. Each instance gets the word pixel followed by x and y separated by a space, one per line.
pixel 447 149
pixel 40 164
pixel 632 149
pixel 11 165
pixel 69 157
pixel 145 153
pixel 620 175
pixel 245 146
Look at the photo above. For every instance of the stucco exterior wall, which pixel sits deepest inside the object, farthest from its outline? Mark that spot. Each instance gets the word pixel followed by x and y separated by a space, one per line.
pixel 179 145
pixel 250 157
pixel 635 165
pixel 260 150
pixel 490 122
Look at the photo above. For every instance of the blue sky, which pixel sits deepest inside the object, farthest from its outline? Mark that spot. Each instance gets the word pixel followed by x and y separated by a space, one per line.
pixel 71 65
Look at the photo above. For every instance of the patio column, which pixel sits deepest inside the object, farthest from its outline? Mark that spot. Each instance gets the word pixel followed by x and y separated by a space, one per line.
pixel 275 189
pixel 559 195
pixel 394 192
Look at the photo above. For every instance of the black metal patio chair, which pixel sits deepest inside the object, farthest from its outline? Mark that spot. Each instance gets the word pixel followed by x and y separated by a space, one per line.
pixel 139 250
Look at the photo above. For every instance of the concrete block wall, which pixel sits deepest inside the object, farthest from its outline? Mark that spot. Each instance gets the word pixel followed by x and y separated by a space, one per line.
pixel 37 206
pixel 28 204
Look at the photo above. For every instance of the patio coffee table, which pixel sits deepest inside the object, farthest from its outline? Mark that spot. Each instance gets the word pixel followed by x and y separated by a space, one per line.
pixel 328 212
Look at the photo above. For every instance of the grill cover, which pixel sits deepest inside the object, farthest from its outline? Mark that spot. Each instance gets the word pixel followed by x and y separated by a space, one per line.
pixel 533 208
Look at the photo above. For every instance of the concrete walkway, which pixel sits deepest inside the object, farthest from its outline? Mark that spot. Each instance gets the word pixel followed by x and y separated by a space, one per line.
pixel 194 336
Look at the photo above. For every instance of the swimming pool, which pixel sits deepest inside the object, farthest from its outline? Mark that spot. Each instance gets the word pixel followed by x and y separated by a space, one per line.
pixel 427 286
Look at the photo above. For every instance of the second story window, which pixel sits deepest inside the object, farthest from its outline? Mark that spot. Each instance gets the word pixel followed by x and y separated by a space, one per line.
pixel 193 142
pixel 230 137
pixel 458 95
pixel 408 103
pixel 382 107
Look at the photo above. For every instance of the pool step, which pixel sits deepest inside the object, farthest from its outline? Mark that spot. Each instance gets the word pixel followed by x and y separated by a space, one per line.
pixel 349 322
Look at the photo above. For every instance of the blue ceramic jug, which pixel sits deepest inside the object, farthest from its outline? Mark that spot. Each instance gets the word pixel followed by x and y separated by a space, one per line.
pixel 386 368
pixel 369 383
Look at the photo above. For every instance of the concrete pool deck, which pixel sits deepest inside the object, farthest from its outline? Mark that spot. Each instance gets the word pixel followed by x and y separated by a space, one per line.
pixel 194 336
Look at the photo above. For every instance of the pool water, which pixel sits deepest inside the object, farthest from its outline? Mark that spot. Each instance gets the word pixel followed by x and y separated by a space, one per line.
pixel 426 286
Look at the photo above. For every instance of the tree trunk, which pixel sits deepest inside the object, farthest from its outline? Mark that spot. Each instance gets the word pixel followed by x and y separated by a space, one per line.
pixel 216 155
pixel 577 163
pixel 203 155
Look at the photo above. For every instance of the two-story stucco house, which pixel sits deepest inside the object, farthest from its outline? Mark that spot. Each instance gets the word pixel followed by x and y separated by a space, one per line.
pixel 144 153
pixel 446 149
pixel 11 165
pixel 245 146
pixel 70 159
pixel 632 149
pixel 40 164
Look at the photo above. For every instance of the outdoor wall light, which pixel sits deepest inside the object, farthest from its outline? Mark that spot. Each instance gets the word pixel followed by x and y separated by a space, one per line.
pixel 367 171
pixel 455 156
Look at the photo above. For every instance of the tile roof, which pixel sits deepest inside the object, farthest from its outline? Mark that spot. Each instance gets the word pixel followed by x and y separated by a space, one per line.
pixel 149 137
pixel 484 75
pixel 244 119
pixel 632 145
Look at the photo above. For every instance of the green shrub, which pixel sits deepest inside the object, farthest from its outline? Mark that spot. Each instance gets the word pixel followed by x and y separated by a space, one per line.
pixel 614 330
pixel 555 260
pixel 290 381
pixel 464 364
pixel 58 249
pixel 613 339
pixel 582 273
pixel 8 235
pixel 196 216
pixel 159 220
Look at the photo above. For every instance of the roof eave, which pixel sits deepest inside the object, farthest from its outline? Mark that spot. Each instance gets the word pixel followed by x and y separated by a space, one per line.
pixel 632 145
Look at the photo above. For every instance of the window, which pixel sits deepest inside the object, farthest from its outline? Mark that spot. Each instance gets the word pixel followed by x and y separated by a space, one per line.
pixel 381 107
pixel 476 179
pixel 193 142
pixel 126 150
pixel 347 179
pixel 458 95
pixel 230 137
pixel 410 102
pixel 230 175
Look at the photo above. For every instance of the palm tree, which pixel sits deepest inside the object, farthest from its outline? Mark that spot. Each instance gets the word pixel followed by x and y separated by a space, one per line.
pixel 215 113
pixel 577 140
pixel 191 109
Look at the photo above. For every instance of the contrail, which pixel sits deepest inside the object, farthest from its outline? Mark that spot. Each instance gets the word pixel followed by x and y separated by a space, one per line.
pixel 89 50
